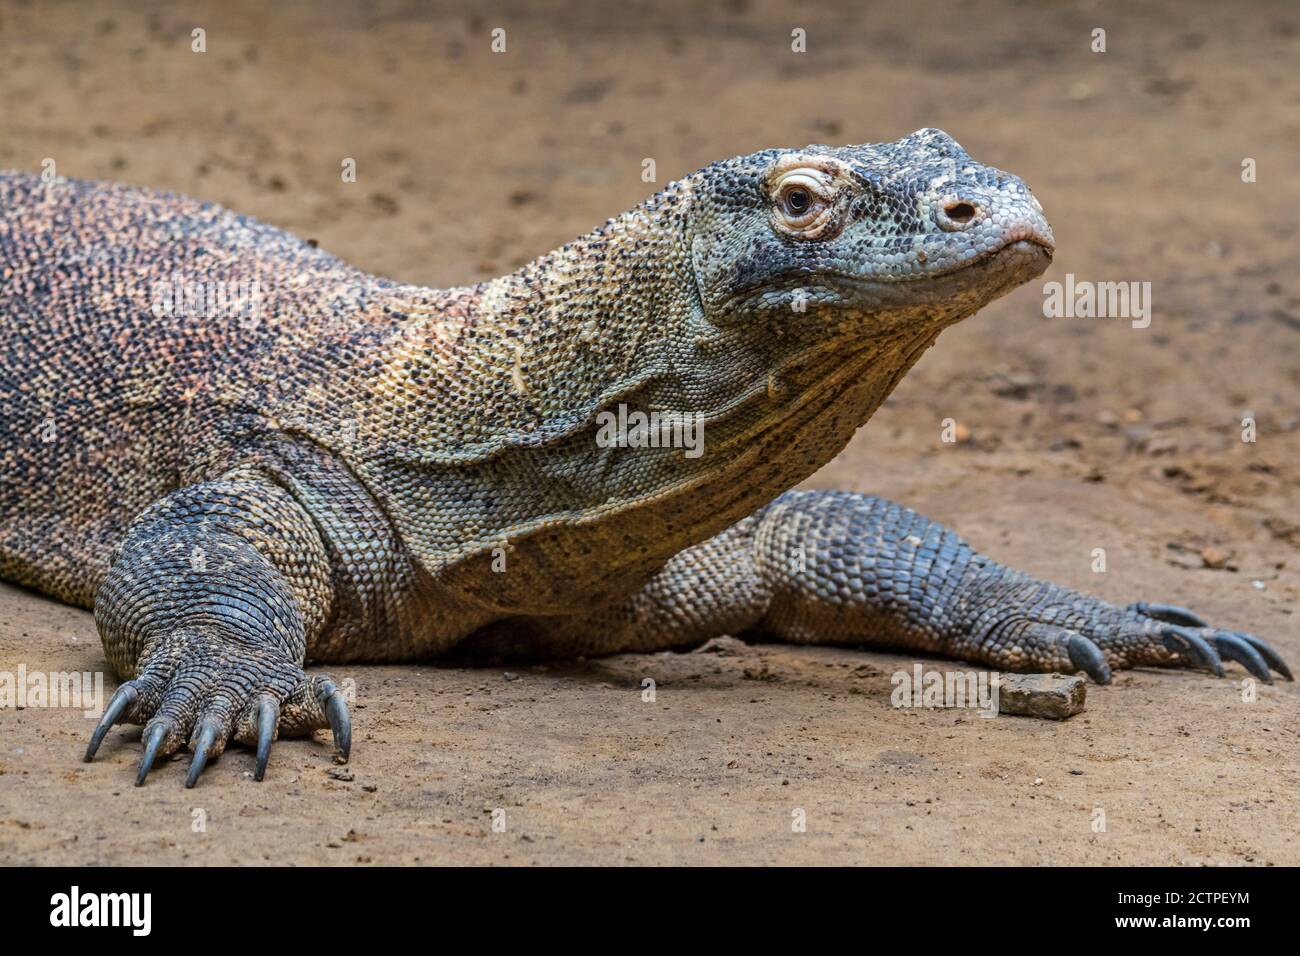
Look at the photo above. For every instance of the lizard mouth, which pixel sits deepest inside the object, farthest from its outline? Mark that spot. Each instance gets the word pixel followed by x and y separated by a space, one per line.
pixel 1013 263
pixel 1032 255
pixel 1027 248
pixel 1014 247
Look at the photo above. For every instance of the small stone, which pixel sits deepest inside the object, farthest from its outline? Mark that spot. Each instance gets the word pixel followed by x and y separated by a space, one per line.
pixel 1017 385
pixel 724 647
pixel 1050 696
pixel 1182 556
pixel 1215 559
pixel 1161 445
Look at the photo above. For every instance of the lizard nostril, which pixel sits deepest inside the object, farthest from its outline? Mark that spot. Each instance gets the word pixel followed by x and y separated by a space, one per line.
pixel 961 212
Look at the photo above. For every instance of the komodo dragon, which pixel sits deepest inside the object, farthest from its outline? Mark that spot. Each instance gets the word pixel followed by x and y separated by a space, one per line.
pixel 302 462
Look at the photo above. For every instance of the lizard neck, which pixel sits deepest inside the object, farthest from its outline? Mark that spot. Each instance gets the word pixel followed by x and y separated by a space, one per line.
pixel 536 353
pixel 505 393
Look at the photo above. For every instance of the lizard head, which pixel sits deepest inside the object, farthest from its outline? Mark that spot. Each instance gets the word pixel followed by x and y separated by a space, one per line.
pixel 860 238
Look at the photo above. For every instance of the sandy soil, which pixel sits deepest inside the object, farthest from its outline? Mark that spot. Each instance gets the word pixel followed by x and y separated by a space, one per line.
pixel 1083 433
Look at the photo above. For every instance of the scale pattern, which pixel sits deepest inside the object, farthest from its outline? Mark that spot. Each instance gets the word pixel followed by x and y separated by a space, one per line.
pixel 245 455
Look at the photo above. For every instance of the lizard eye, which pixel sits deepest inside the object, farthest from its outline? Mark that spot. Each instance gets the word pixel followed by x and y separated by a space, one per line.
pixel 802 198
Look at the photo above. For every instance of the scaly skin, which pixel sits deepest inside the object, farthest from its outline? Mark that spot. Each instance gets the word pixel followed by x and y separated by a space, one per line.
pixel 361 470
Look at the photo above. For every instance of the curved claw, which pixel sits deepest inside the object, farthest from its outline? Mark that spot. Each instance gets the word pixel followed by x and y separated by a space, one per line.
pixel 268 716
pixel 336 712
pixel 1169 613
pixel 202 750
pixel 1187 643
pixel 1233 648
pixel 1087 657
pixel 1272 657
pixel 123 697
pixel 154 735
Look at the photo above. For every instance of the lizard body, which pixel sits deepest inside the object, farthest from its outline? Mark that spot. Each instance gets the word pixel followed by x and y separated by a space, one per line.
pixel 244 454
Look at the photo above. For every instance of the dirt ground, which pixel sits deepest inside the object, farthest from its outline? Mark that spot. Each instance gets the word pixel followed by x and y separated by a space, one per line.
pixel 1078 433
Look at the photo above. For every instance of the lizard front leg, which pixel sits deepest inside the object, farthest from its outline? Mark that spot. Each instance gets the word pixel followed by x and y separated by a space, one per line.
pixel 848 568
pixel 207 610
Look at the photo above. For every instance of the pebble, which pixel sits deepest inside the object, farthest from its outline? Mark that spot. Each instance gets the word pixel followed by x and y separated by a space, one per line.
pixel 724 647
pixel 1215 559
pixel 1049 696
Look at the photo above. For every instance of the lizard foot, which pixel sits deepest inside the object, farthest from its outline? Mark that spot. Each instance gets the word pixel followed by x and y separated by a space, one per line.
pixel 204 691
pixel 1096 638
pixel 1188 636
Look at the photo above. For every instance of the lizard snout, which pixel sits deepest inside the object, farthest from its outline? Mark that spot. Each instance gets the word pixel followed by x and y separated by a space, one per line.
pixel 996 216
